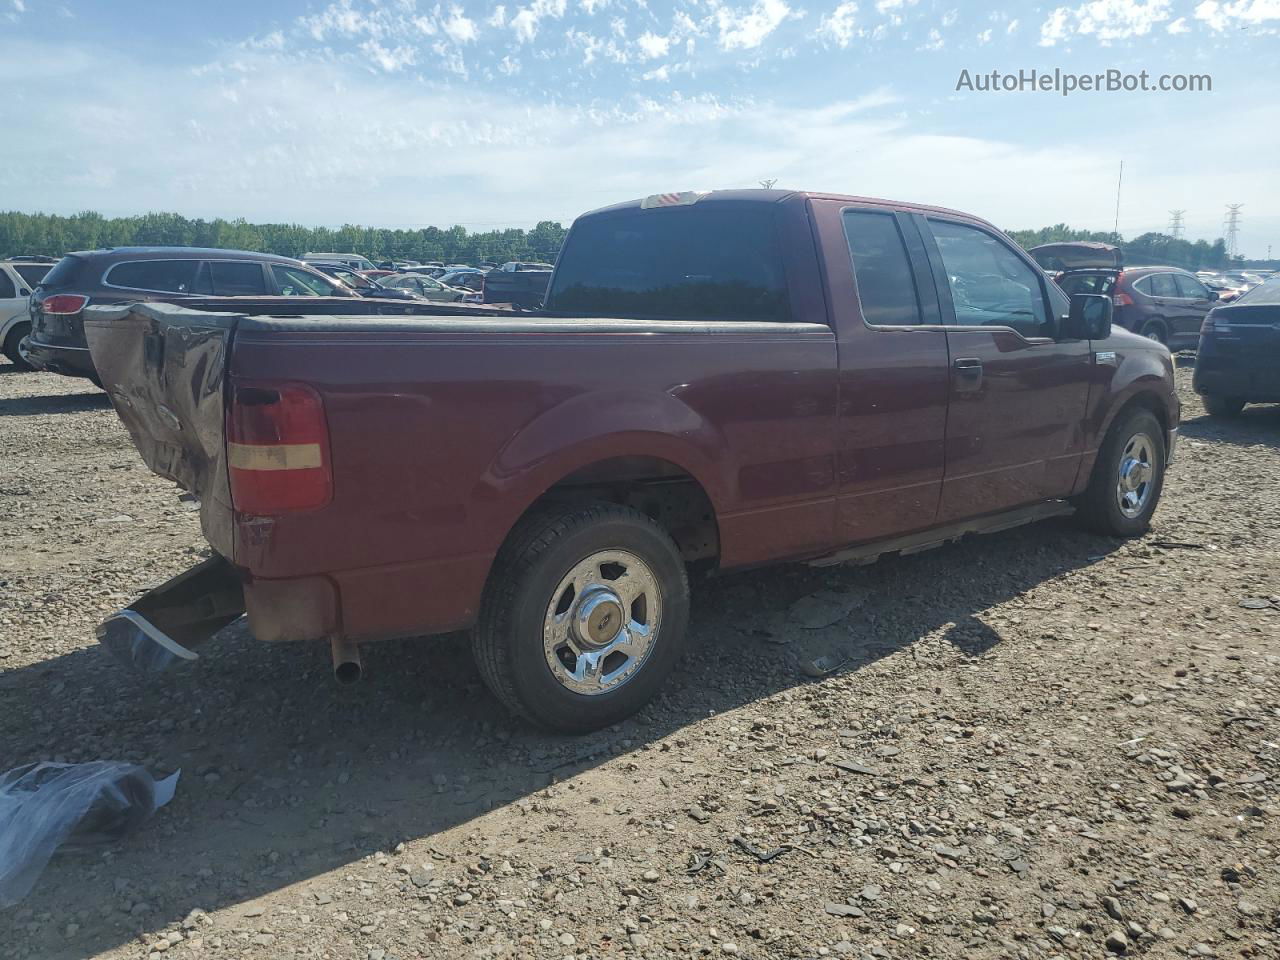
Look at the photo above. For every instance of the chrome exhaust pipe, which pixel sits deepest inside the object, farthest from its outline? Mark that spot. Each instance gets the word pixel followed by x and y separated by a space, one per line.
pixel 347 667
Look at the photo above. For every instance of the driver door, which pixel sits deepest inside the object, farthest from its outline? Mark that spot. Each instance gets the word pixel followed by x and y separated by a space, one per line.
pixel 1018 394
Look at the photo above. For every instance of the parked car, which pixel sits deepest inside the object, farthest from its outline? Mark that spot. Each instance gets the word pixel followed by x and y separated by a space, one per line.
pixel 18 277
pixel 426 287
pixel 1238 360
pixel 1165 304
pixel 352 260
pixel 468 279
pixel 719 381
pixel 1225 290
pixel 522 266
pixel 363 285
pixel 126 274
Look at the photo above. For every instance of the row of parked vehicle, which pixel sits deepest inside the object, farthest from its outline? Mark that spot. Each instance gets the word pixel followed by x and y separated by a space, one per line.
pixel 522 284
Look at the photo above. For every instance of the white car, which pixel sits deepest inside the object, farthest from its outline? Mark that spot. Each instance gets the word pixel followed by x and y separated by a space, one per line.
pixel 18 277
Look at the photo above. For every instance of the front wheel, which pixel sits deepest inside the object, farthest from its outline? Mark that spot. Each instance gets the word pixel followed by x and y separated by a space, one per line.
pixel 584 616
pixel 1155 330
pixel 1223 406
pixel 1128 477
pixel 11 346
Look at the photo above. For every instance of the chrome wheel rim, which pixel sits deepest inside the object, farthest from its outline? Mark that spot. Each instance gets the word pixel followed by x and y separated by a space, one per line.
pixel 1136 476
pixel 602 622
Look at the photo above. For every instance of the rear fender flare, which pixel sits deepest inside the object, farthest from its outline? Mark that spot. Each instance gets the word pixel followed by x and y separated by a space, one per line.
pixel 591 428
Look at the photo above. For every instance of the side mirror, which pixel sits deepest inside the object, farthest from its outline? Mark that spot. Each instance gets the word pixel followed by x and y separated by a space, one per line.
pixel 1213 295
pixel 1089 319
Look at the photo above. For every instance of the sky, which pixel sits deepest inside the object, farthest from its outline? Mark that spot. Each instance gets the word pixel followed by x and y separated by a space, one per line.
pixel 408 113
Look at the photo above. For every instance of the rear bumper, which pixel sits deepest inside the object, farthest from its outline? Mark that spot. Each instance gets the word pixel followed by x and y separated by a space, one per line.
pixel 71 361
pixel 1256 380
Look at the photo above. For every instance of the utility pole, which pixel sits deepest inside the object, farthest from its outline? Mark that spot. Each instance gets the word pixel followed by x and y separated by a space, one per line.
pixel 768 184
pixel 1231 227
pixel 1175 223
pixel 1119 180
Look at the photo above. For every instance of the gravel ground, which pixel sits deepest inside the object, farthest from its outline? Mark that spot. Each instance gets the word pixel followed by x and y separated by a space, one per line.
pixel 1040 743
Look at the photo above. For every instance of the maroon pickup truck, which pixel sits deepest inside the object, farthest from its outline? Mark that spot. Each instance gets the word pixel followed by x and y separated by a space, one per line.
pixel 718 381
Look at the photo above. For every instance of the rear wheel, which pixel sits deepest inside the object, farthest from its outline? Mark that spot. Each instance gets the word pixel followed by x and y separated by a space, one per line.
pixel 1128 477
pixel 11 346
pixel 1155 330
pixel 1223 406
pixel 584 616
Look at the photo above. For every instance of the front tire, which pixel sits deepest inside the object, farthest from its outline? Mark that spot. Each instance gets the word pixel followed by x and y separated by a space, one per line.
pixel 1223 406
pixel 11 346
pixel 1128 477
pixel 584 616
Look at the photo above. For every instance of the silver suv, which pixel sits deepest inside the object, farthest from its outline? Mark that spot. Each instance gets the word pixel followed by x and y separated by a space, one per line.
pixel 18 277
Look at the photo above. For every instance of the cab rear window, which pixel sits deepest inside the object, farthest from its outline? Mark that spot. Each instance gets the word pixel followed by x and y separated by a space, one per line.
pixel 702 262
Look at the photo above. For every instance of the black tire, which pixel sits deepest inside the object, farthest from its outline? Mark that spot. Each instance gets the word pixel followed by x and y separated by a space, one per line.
pixel 1223 406
pixel 539 554
pixel 1099 508
pixel 1155 330
pixel 11 346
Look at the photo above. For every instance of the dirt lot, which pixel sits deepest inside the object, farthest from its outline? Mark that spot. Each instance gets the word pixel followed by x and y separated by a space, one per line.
pixel 1041 743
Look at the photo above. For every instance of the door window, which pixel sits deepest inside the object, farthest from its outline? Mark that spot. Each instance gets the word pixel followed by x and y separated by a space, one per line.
pixel 232 278
pixel 886 285
pixel 1190 288
pixel 164 276
pixel 990 284
pixel 1162 285
pixel 298 283
pixel 32 273
pixel 7 292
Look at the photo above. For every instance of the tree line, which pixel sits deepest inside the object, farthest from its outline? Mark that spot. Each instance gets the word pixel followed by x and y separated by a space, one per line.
pixel 54 235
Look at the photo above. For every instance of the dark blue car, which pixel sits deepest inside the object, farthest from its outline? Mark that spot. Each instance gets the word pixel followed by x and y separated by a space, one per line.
pixel 1238 361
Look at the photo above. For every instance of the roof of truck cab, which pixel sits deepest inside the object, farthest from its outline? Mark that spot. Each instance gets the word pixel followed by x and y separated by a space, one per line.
pixel 778 196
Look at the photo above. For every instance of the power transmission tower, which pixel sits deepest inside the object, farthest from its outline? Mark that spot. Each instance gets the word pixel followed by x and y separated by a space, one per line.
pixel 768 184
pixel 1231 227
pixel 1175 223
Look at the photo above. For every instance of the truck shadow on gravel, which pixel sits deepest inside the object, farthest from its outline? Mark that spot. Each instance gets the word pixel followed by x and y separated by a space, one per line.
pixel 287 776
pixel 53 403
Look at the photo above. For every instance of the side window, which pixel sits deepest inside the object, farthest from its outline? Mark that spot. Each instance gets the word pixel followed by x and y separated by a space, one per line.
pixel 886 286
pixel 7 291
pixel 32 273
pixel 168 276
pixel 990 284
pixel 428 284
pixel 237 278
pixel 1162 285
pixel 1143 286
pixel 1190 288
pixel 297 283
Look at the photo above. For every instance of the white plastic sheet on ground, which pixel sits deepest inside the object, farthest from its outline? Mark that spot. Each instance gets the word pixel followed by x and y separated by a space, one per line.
pixel 44 806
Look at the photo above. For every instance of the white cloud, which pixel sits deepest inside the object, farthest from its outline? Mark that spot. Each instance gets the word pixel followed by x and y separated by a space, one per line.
pixel 1222 16
pixel 1178 26
pixel 840 26
pixel 525 22
pixel 984 37
pixel 499 16
pixel 459 27
pixel 389 59
pixel 747 29
pixel 950 17
pixel 1012 28
pixel 653 46
pixel 19 6
pixel 661 75
pixel 893 9
pixel 1108 20
pixel 591 6
pixel 935 41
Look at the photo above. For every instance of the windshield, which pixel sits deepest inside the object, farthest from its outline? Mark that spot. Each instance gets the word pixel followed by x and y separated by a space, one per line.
pixel 1265 294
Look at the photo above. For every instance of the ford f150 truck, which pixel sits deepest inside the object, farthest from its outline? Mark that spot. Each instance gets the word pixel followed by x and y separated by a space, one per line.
pixel 718 381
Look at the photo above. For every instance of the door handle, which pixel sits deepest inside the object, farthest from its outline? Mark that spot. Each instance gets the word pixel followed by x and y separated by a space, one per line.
pixel 968 374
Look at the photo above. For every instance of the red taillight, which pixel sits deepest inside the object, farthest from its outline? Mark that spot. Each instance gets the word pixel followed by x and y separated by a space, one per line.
pixel 63 303
pixel 1122 300
pixel 277 448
